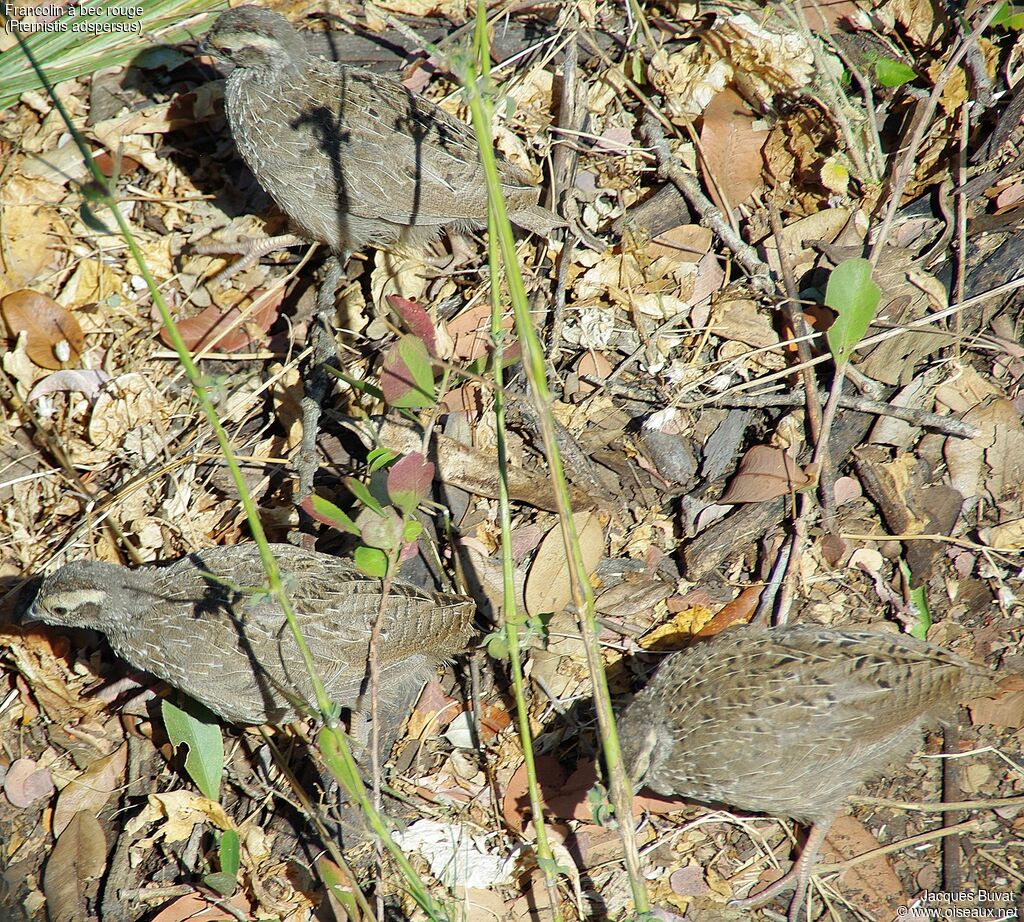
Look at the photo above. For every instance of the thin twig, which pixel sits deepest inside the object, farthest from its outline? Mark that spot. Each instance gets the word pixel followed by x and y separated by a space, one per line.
pixel 923 418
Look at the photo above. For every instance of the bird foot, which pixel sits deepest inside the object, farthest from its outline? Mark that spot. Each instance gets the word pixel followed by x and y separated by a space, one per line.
pixel 796 879
pixel 763 897
pixel 447 264
pixel 251 250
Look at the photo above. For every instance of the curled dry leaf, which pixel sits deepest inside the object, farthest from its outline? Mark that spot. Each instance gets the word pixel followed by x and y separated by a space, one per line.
pixel 128 414
pixel 91 789
pixel 88 381
pixel 53 337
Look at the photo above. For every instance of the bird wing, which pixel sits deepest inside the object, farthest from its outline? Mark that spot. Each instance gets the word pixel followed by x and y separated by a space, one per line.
pixel 430 171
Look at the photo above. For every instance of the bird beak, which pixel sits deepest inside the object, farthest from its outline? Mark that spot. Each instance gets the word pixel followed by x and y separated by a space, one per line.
pixel 31 617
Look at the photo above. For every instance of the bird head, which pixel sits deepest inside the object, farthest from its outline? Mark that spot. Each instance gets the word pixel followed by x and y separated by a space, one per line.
pixel 638 737
pixel 255 38
pixel 85 593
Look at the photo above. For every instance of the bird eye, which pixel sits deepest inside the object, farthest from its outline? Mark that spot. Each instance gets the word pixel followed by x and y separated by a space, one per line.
pixel 60 611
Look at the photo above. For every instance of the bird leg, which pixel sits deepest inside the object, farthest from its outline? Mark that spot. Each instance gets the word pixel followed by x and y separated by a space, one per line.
pixel 249 249
pixel 317 378
pixel 797 878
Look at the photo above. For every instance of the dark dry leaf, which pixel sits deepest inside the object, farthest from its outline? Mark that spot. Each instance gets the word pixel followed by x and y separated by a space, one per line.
pixel 78 859
pixel 764 474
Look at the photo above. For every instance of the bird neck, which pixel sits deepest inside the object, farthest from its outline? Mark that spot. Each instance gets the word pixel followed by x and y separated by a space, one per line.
pixel 286 55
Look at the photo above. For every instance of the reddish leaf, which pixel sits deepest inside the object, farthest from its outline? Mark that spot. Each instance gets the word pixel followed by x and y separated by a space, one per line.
pixel 206 326
pixel 739 611
pixel 409 481
pixel 196 908
pixel 416 320
pixel 406 379
pixel 515 805
pixel 53 337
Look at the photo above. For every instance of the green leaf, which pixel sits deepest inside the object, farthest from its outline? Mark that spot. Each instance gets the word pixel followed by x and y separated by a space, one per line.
pixel 230 849
pixel 854 297
pixel 378 458
pixel 919 601
pixel 496 645
pixel 382 531
pixel 357 384
pixel 198 729
pixel 340 886
pixel 224 884
pixel 323 510
pixel 893 73
pixel 92 220
pixel 372 561
pixel 362 493
pixel 1009 16
pixel 339 763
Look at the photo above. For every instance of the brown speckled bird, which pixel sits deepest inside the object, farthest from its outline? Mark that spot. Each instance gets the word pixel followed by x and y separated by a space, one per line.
pixel 353 158
pixel 191 624
pixel 789 721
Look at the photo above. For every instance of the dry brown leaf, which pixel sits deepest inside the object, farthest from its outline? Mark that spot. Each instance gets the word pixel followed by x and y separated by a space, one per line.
pixel 196 908
pixel 591 369
pixel 731 148
pixel 470 332
pixel 1007 536
pixel 25 783
pixel 484 905
pixel 824 15
pixel 78 859
pixel 91 789
pixel 179 812
pixel 799 237
pixel 475 470
pixel 870 885
pixel 53 337
pixel 1003 709
pixel 739 320
pixel 687 243
pixel 547 585
pixel 765 473
pixel 764 61
pixel 128 415
pixel 30 232
pixel 206 328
